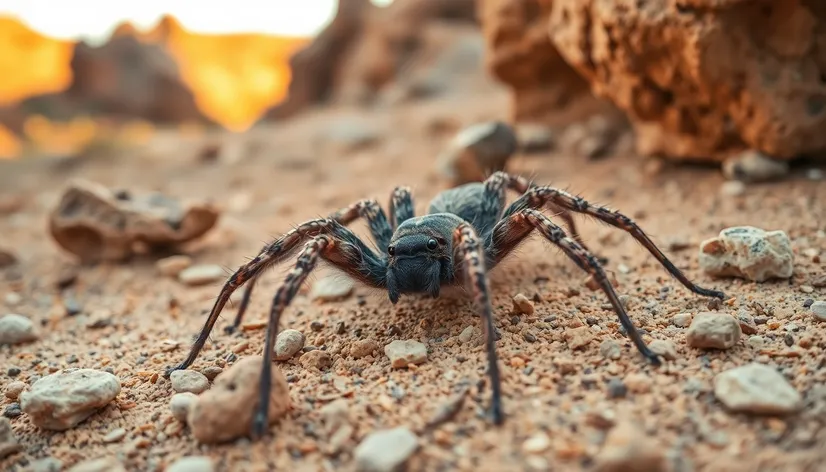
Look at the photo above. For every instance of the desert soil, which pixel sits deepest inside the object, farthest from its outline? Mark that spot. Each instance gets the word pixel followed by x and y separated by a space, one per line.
pixel 273 178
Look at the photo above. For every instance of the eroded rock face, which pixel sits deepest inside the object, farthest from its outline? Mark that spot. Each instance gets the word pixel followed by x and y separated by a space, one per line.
pixel 95 223
pixel 702 79
pixel 521 55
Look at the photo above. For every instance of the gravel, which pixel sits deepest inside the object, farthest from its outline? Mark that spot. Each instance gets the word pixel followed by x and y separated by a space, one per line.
pixel 202 274
pixel 287 344
pixel 61 401
pixel 756 388
pixel 188 381
pixel 14 389
pixel 192 464
pixel 385 450
pixel 664 348
pixel 363 348
pixel 713 331
pixel 181 403
pixel 681 320
pixel 402 353
pixel 522 304
pixel 610 349
pixel 628 449
pixel 8 442
pixel 468 334
pixel 818 309
pixel 17 329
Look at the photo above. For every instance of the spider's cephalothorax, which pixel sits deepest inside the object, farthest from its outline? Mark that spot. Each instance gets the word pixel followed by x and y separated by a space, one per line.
pixel 468 230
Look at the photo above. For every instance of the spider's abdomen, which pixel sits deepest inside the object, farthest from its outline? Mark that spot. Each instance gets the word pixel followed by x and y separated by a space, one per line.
pixel 469 202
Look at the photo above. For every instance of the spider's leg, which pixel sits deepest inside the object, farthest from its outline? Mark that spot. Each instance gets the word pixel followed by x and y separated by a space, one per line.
pixel 401 206
pixel 543 196
pixel 368 209
pixel 503 180
pixel 514 229
pixel 471 252
pixel 272 254
pixel 343 249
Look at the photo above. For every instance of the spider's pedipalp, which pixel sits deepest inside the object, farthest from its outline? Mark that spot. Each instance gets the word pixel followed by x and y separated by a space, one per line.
pixel 545 196
pixel 470 252
pixel 514 229
pixel 368 209
pixel 401 206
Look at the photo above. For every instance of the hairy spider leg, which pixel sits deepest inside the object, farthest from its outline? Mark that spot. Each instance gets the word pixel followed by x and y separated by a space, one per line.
pixel 472 256
pixel 362 264
pixel 537 197
pixel 516 228
pixel 368 209
pixel 401 206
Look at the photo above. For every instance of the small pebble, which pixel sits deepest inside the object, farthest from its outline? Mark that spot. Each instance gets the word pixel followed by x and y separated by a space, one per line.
pixel 115 435
pixel 616 388
pixel 60 401
pixel 202 274
pixel 192 464
pixel 467 334
pixel 46 464
pixel 316 359
pixel 818 309
pixel 754 166
pixel 713 331
pixel 14 389
pixel 8 442
pixel 681 320
pixel 12 410
pixel 637 383
pixel 181 403
pixel 363 348
pixel 331 288
pixel 732 188
pixel 402 353
pixel 101 464
pixel 748 252
pixel 522 304
pixel 758 389
pixel 212 371
pixel 17 329
pixel 172 266
pixel 628 449
pixel 610 349
pixel 477 151
pixel 385 450
pixel 188 381
pixel 288 343
pixel 537 443
pixel 756 342
pixel 13 299
pixel 664 348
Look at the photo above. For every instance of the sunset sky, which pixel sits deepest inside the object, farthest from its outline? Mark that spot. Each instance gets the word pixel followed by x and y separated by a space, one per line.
pixel 94 20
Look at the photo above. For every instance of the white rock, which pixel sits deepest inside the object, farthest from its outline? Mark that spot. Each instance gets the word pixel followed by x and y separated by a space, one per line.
pixel 754 166
pixel 755 342
pixel 60 401
pixel 610 349
pixel 14 389
pixel 756 388
pixel 732 188
pixel 467 334
pixel 385 450
pixel 748 252
pixel 101 464
pixel 537 443
pixel 664 348
pixel 627 448
pixel 192 464
pixel 115 435
pixel 8 442
pixel 17 329
pixel 172 266
pixel 202 274
pixel 46 464
pixel 713 331
pixel 402 353
pixel 818 309
pixel 332 287
pixel 287 344
pixel 181 403
pixel 188 381
pixel 681 320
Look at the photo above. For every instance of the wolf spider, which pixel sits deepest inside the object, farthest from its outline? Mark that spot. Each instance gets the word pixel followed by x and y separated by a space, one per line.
pixel 466 232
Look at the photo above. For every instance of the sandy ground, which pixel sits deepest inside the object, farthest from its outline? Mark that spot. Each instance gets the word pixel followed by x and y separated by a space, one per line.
pixel 290 175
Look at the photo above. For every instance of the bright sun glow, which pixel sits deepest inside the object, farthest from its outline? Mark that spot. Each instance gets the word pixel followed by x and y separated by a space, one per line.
pixel 94 20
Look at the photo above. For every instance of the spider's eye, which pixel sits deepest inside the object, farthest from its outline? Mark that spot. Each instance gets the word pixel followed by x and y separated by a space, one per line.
pixel 391 250
pixel 432 244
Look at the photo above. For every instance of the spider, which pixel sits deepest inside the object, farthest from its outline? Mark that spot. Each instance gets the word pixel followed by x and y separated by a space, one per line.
pixel 467 231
